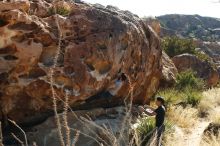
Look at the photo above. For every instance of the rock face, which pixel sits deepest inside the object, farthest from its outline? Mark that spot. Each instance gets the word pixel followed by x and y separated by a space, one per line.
pixel 203 69
pixel 169 71
pixel 96 44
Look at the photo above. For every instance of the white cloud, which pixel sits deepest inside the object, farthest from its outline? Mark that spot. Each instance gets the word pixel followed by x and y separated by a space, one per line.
pixel 161 7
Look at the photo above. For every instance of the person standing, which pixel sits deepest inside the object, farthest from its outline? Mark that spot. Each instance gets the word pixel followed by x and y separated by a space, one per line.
pixel 159 114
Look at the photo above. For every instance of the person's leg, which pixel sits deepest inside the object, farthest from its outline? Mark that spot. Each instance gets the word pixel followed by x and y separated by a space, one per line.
pixel 160 131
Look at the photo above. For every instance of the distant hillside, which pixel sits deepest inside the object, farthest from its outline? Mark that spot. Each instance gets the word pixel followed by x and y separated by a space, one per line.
pixel 192 26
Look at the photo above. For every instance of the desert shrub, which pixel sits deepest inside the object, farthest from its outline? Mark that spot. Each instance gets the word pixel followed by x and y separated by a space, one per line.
pixel 146 129
pixel 203 56
pixel 182 117
pixel 211 99
pixel 206 58
pixel 192 97
pixel 190 86
pixel 186 91
pixel 60 10
pixel 204 108
pixel 210 141
pixel 212 96
pixel 180 97
pixel 171 96
pixel 188 79
pixel 175 46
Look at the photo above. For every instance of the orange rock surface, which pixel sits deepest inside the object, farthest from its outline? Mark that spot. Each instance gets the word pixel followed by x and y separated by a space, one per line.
pixel 97 44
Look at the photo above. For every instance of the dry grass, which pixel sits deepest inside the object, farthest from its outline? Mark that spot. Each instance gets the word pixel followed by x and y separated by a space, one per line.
pixel 204 108
pixel 172 140
pixel 211 103
pixel 209 106
pixel 185 118
pixel 182 117
pixel 65 120
pixel 214 116
pixel 17 139
pixel 182 113
pixel 211 141
pixel 54 95
pixel 212 96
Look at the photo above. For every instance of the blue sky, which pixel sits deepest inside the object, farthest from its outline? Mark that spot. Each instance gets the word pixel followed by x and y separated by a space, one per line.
pixel 160 7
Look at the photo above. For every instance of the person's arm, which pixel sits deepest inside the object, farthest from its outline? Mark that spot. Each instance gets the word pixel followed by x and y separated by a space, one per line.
pixel 150 113
pixel 149 107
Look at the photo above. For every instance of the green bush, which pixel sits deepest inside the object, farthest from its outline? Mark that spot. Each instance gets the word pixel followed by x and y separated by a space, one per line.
pixel 186 91
pixel 175 46
pixel 171 96
pixel 203 56
pixel 61 11
pixel 188 79
pixel 146 125
pixel 192 97
pixel 183 97
pixel 146 129
pixel 206 58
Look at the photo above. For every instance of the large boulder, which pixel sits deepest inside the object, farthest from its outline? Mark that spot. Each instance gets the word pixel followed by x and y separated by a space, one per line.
pixel 204 69
pixel 40 62
pixel 169 71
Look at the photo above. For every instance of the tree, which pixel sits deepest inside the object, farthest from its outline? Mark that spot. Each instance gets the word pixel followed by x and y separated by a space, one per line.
pixel 175 46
